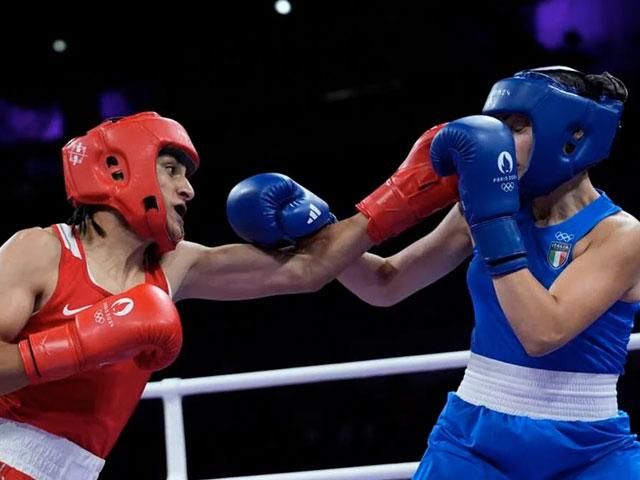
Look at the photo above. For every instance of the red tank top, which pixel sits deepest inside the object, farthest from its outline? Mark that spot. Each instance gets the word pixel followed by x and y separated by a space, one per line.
pixel 90 408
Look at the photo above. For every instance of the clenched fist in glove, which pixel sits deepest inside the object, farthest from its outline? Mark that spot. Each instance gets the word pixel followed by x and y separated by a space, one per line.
pixel 413 192
pixel 141 323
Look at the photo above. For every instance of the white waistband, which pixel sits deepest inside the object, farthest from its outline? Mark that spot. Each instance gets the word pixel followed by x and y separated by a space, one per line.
pixel 537 393
pixel 44 456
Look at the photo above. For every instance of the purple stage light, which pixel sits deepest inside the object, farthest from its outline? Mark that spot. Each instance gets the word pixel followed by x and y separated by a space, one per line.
pixel 30 124
pixel 114 103
pixel 596 22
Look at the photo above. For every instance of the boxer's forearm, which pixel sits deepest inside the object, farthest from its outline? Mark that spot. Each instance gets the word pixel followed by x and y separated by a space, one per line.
pixel 244 271
pixel 322 257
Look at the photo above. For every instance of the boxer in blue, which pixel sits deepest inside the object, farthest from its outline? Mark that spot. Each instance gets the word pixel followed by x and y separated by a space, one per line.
pixel 554 278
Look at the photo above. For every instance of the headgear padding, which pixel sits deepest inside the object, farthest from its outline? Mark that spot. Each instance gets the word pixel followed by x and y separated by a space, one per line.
pixel 114 165
pixel 557 112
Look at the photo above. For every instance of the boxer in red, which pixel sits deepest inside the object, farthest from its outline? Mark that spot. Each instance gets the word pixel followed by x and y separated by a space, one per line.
pixel 88 307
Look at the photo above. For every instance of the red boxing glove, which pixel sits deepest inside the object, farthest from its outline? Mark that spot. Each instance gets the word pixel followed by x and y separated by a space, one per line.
pixel 141 323
pixel 412 193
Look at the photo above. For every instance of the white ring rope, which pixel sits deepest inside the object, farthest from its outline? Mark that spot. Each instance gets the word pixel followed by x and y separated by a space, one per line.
pixel 299 375
pixel 171 390
pixel 394 471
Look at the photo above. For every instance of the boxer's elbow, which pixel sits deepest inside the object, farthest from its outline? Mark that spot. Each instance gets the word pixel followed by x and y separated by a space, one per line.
pixel 536 349
pixel 541 344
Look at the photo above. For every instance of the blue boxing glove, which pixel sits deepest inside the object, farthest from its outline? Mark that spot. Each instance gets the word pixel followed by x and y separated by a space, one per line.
pixel 482 151
pixel 271 209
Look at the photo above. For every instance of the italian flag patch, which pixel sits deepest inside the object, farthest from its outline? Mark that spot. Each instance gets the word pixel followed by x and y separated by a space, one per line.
pixel 558 254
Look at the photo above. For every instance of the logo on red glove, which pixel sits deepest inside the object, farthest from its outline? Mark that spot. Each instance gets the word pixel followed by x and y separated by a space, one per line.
pixel 122 307
pixel 119 308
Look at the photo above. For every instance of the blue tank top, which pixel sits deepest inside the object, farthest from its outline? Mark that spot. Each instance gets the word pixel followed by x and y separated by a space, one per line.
pixel 601 348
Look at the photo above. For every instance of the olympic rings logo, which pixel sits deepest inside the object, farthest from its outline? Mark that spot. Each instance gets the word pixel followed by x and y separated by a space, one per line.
pixel 508 187
pixel 564 237
pixel 98 316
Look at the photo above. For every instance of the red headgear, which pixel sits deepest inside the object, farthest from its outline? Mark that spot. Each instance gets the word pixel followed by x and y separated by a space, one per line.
pixel 114 165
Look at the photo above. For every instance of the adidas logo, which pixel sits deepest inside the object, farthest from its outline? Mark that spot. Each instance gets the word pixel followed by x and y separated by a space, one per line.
pixel 314 213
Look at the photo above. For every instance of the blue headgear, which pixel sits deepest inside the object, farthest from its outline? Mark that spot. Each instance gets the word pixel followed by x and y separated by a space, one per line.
pixel 556 112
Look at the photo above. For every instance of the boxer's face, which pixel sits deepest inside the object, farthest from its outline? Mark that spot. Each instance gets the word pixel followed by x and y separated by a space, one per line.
pixel 176 192
pixel 520 125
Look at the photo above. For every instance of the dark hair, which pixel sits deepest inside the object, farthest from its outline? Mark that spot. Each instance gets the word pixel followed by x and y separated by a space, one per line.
pixel 83 216
pixel 594 86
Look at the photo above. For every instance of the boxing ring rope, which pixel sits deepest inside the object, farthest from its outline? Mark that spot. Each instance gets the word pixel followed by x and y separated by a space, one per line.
pixel 171 391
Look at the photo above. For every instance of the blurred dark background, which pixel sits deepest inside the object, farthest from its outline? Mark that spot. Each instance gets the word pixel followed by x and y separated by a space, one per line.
pixel 334 94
